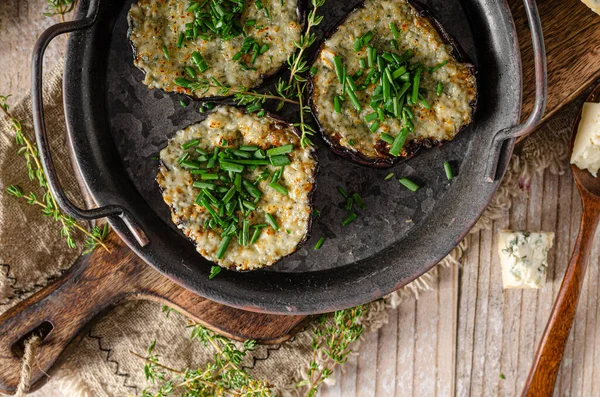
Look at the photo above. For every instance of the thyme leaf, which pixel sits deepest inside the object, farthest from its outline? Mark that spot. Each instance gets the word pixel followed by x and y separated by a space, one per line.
pixel 69 226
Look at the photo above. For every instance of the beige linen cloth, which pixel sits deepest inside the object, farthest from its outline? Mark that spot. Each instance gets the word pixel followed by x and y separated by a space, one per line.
pixel 32 254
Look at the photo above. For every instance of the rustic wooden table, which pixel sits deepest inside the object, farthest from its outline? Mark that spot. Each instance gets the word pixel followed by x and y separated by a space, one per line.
pixel 464 337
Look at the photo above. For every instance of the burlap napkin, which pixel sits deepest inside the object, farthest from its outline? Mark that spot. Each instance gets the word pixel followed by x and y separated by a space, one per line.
pixel 32 253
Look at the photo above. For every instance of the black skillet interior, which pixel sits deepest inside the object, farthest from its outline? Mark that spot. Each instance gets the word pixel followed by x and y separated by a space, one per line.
pixel 118 126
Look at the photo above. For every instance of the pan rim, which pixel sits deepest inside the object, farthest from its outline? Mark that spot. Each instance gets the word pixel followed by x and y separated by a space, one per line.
pixel 297 293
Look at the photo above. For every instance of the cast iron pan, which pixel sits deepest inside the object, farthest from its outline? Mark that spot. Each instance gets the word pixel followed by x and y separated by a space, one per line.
pixel 116 125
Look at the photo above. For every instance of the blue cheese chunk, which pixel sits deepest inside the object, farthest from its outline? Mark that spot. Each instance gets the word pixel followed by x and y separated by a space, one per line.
pixel 524 258
pixel 586 148
pixel 593 4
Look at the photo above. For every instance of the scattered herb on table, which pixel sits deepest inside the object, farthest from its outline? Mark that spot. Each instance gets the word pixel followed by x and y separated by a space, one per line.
pixel 333 342
pixel 69 226
pixel 223 376
pixel 59 7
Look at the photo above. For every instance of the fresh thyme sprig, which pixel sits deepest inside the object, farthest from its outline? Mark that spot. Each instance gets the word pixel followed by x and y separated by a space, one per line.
pixel 59 7
pixel 221 377
pixel 297 62
pixel 47 202
pixel 334 343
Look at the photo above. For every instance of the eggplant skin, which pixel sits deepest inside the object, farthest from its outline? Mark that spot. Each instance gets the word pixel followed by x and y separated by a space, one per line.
pixel 147 34
pixel 382 159
pixel 292 212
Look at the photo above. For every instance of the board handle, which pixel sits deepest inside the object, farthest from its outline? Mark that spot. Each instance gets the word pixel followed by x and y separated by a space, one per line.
pixel 100 281
pixel 39 125
pixel 497 164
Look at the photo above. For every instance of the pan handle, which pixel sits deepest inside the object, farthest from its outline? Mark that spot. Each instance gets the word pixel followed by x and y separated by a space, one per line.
pixel 110 211
pixel 496 165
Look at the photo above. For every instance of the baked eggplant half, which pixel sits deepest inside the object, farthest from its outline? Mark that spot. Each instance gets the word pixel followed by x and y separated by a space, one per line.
pixel 240 187
pixel 204 48
pixel 388 81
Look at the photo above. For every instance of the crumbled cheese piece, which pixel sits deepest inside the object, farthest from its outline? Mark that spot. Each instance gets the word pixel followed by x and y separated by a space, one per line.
pixel 593 4
pixel 586 149
pixel 524 258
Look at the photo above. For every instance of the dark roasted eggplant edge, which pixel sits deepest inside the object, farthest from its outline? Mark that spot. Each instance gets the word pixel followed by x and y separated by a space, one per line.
pixel 412 147
pixel 301 12
pixel 280 121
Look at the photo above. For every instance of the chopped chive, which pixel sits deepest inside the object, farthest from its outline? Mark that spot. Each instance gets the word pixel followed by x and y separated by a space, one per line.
pixel 371 53
pixel 229 195
pixel 394 30
pixel 237 182
pixel 209 177
pixel 280 160
pixel 342 192
pixel 166 51
pixel 350 83
pixel 354 100
pixel 358 44
pixel 349 203
pixel 248 148
pixel 319 243
pixel 199 61
pixel 351 142
pixel 415 87
pixel 387 138
pixel 398 72
pixel 253 190
pixel 223 247
pixel 190 144
pixel 439 88
pixel 182 103
pixel 339 68
pixel 190 71
pixel 371 117
pixel 180 39
pixel 337 106
pixel 359 201
pixel 448 169
pixel 250 161
pixel 249 205
pixel 374 126
pixel 204 185
pixel 214 270
pixel 230 166
pixel 183 157
pixel 279 188
pixel 255 235
pixel 389 176
pixel 349 219
pixel 399 142
pixel 367 37
pixel 410 185
pixel 395 44
pixel 189 164
pixel 271 221
pixel 183 82
pixel 424 102
pixel 381 114
pixel 438 66
pixel 362 63
pixel 285 149
pixel 245 232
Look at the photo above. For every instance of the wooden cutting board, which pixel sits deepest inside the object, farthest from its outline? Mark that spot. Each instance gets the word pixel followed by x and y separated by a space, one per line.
pixel 100 281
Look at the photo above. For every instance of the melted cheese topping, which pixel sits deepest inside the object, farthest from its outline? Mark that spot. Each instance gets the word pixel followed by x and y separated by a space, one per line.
pixel 524 258
pixel 348 129
pixel 157 23
pixel 292 212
